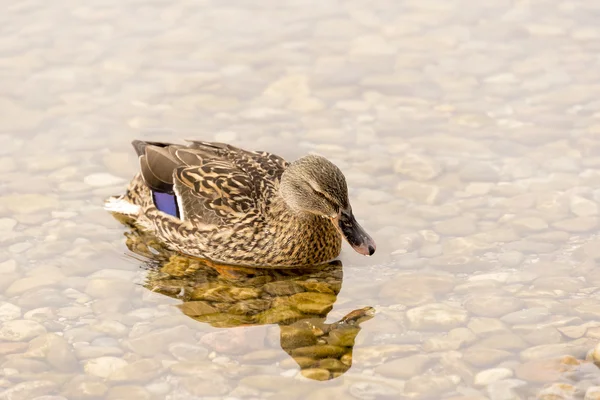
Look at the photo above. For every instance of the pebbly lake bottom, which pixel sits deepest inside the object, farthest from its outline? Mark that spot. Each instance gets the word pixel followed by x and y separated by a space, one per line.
pixel 141 322
pixel 468 133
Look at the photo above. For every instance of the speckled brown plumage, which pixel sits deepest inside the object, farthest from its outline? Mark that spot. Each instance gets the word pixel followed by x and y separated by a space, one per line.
pixel 232 209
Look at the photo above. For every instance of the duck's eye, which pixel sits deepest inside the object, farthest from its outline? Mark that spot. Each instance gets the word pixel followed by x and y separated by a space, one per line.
pixel 328 200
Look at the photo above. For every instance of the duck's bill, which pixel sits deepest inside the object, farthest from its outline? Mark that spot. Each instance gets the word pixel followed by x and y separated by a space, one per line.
pixel 356 236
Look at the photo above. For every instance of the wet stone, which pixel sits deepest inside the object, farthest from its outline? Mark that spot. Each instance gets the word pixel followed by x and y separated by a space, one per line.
pixel 459 226
pixel 492 305
pixel 20 330
pixel 431 385
pixel 138 371
pixel 527 316
pixel 436 316
pixel 294 337
pixel 418 167
pixel 159 340
pixel 103 367
pixel 592 393
pixel 405 368
pixel 319 351
pixel 202 388
pixel 312 303
pixel 488 376
pixel 577 348
pixel 83 387
pixel 317 374
pixel 9 311
pixel 55 350
pixel 283 288
pixel 483 357
pixel 128 392
pixel 29 390
pixel 412 290
pixel 186 351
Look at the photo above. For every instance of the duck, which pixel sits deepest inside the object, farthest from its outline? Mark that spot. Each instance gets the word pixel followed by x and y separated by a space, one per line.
pixel 232 206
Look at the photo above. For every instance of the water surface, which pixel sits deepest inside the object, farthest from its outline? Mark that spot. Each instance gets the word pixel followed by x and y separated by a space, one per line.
pixel 470 138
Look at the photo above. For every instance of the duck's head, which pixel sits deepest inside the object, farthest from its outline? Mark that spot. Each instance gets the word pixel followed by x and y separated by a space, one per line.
pixel 313 184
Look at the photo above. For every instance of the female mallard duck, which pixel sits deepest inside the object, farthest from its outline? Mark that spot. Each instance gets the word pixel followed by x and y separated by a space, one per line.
pixel 228 205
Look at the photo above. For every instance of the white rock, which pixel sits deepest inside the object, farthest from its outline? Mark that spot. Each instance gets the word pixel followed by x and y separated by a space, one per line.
pixel 102 179
pixel 436 316
pixel 583 207
pixel 7 224
pixel 103 367
pixel 20 330
pixel 491 375
pixel 592 393
pixel 9 311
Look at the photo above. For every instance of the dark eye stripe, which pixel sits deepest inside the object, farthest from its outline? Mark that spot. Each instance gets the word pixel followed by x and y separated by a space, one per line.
pixel 327 199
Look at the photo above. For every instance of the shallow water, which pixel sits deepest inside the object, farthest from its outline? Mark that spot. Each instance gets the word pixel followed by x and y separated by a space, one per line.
pixel 470 138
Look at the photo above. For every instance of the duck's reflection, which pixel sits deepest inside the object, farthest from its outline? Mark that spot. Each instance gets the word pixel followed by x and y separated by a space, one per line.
pixel 226 297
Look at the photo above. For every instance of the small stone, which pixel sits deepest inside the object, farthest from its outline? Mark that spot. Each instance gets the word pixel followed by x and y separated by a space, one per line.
pixel 187 351
pixel 292 337
pixel 492 305
pixel 483 326
pixel 574 332
pixel 483 357
pixel 12 347
pixel 577 348
pixel 526 316
pixel 104 367
pixel 529 224
pixel 436 316
pixel 83 387
pixel 55 350
pixel 9 311
pixel 7 224
pixel 430 386
pixel 282 288
pixel 204 388
pixel 503 341
pixel 21 330
pixel 143 370
pixel 488 376
pixel 28 390
pixel 418 167
pixel 596 354
pixel 8 267
pixel 577 225
pixel 504 389
pixel 28 203
pixel 557 391
pixel 128 392
pixel 319 351
pixel 478 172
pixel 511 258
pixel 159 340
pixel 312 303
pixel 418 192
pixel 405 368
pixel 583 207
pixel 100 288
pixel 459 226
pixel 592 393
pixel 417 288
pixel 103 179
pixel 454 340
pixel 317 374
pixel 31 283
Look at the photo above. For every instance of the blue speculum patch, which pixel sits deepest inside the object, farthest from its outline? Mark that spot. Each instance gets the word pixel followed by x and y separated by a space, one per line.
pixel 166 203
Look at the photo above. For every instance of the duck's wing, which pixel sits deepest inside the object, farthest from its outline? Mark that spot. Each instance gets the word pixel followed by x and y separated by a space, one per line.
pixel 213 182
